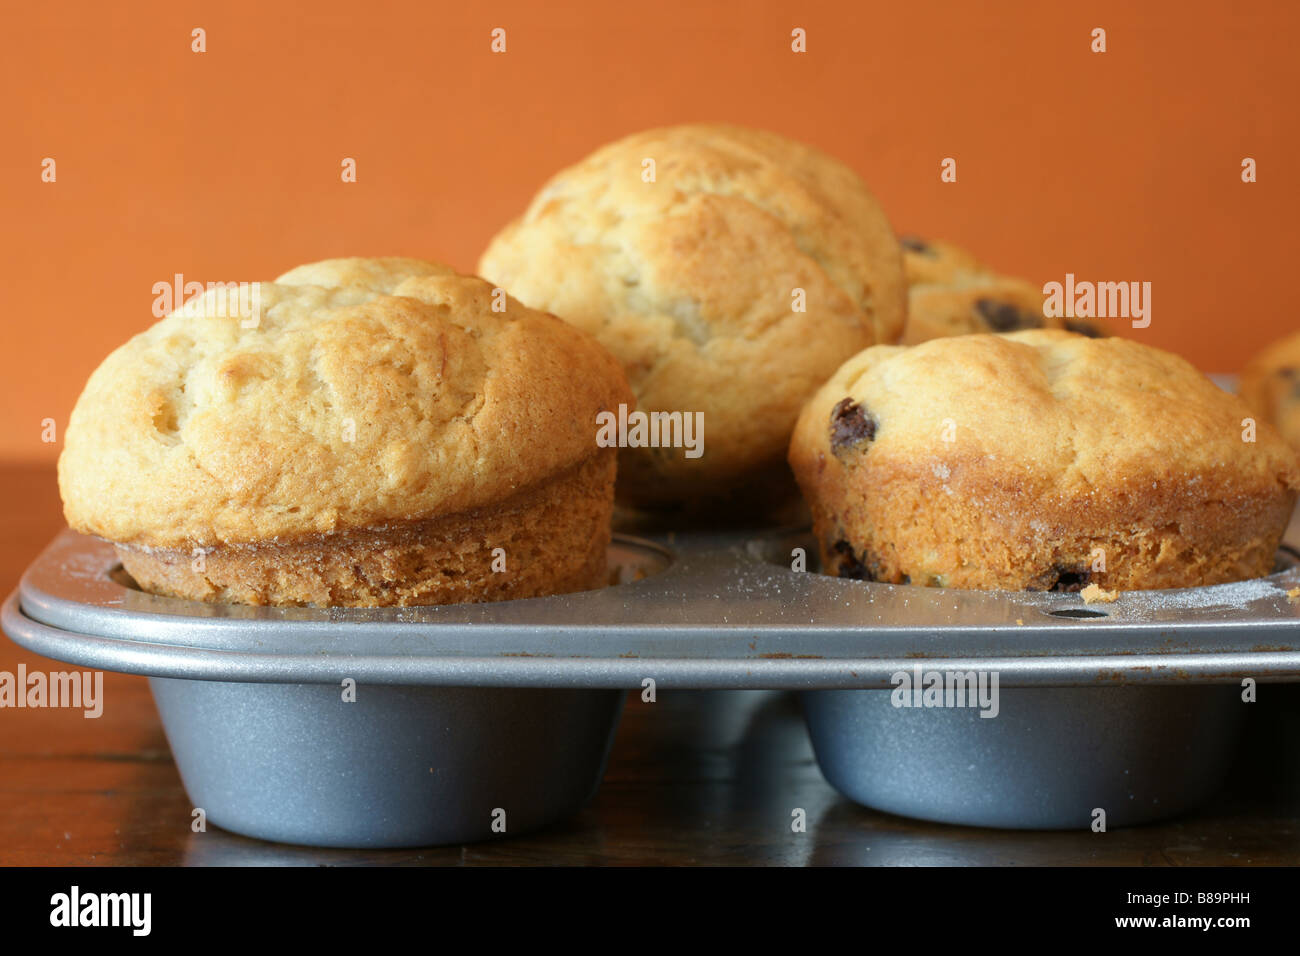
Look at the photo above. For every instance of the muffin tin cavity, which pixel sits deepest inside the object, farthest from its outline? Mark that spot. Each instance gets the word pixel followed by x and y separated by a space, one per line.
pixel 695 610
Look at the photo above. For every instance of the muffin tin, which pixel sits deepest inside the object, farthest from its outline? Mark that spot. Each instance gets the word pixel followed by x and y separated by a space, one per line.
pixel 468 716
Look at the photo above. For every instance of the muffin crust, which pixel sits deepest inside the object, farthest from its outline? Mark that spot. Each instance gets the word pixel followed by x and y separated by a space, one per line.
pixel 548 539
pixel 1038 460
pixel 377 433
pixel 951 292
pixel 690 279
pixel 1270 384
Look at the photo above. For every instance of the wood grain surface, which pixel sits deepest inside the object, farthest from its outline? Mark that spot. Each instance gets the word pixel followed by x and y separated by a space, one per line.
pixel 699 777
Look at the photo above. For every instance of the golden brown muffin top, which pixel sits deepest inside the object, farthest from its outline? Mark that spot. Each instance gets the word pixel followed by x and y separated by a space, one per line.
pixel 1270 384
pixel 690 280
pixel 983 304
pixel 930 261
pixel 1079 414
pixel 385 390
pixel 775 198
pixel 950 292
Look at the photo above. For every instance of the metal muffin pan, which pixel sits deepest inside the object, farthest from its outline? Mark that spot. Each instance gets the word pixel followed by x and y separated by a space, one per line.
pixel 1049 760
pixel 465 710
pixel 401 766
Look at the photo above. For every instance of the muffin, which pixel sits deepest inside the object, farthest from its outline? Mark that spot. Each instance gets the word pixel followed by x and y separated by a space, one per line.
pixel 935 262
pixel 379 436
pixel 950 292
pixel 1270 385
pixel 1038 460
pixel 730 286
pixel 987 304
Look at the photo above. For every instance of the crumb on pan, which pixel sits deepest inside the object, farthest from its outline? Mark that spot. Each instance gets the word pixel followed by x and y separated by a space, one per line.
pixel 1095 593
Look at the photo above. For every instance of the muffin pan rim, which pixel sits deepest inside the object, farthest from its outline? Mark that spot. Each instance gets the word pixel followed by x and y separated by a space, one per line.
pixel 736 630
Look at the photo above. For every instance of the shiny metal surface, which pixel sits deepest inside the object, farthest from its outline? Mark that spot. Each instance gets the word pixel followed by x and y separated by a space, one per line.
pixel 702 611
pixel 399 766
pixel 499 704
pixel 1050 759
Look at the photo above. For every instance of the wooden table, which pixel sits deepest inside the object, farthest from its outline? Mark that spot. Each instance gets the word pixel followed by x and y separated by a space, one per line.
pixel 698 777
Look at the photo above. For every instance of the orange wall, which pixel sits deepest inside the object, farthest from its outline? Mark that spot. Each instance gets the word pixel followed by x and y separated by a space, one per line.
pixel 225 165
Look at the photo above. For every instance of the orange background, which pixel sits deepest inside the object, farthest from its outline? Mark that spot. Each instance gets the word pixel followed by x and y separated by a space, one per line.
pixel 225 165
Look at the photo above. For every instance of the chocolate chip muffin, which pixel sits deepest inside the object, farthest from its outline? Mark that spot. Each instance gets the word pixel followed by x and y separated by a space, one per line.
pixel 935 262
pixel 730 270
pixel 1038 460
pixel 989 304
pixel 1270 384
pixel 360 432
pixel 950 292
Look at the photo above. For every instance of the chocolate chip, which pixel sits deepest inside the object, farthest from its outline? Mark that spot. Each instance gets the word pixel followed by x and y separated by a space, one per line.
pixel 1005 317
pixel 848 565
pixel 913 244
pixel 1084 328
pixel 850 425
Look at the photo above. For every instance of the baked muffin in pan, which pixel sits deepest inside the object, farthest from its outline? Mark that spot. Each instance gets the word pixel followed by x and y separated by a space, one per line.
pixel 951 292
pixel 1270 384
pixel 1039 460
pixel 360 432
pixel 730 270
